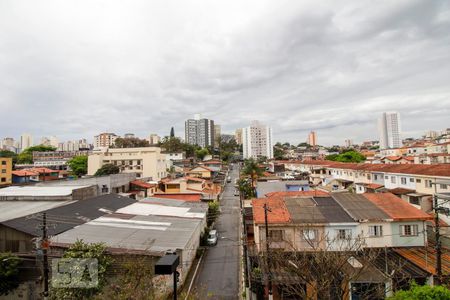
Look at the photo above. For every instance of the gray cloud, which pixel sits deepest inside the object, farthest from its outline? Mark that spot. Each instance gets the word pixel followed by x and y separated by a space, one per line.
pixel 76 68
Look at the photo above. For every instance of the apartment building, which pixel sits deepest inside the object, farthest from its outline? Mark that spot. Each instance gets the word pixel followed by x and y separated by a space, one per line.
pixel 389 128
pixel 312 139
pixel 5 171
pixel 257 141
pixel 199 131
pixel 104 140
pixel 145 161
pixel 26 141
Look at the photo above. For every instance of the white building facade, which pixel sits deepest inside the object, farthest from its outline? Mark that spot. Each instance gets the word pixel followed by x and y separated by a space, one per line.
pixel 257 141
pixel 389 128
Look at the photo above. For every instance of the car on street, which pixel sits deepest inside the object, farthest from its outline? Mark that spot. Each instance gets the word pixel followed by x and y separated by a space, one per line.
pixel 212 237
pixel 229 179
pixel 236 192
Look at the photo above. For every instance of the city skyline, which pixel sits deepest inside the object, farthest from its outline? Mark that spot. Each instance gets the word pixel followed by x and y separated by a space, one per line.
pixel 238 59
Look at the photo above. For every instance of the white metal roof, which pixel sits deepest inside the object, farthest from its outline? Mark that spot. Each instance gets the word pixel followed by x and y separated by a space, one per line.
pixel 16 209
pixel 146 209
pixel 39 190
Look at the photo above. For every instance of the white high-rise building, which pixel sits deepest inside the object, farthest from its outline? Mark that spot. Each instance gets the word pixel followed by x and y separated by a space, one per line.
pixel 26 141
pixel 257 141
pixel 389 128
pixel 199 131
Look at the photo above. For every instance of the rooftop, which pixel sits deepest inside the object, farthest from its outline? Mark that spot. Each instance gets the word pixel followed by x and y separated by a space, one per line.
pixel 65 217
pixel 359 207
pixel 147 209
pixel 53 191
pixel 15 209
pixel 153 234
pixel 398 209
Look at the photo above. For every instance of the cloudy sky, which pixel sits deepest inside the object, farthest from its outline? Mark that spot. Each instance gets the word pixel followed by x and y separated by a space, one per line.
pixel 77 68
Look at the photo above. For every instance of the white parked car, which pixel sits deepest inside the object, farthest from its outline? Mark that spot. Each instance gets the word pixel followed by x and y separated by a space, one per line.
pixel 212 237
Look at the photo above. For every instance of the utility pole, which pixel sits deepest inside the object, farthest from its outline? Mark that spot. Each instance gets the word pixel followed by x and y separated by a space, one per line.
pixel 269 277
pixel 438 241
pixel 44 246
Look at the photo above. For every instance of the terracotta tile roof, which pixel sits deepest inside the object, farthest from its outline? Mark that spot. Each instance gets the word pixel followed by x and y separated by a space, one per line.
pixel 313 193
pixel 410 158
pixel 393 158
pixel 194 179
pixel 278 214
pixel 425 258
pixel 401 191
pixel 142 184
pixel 412 169
pixel 42 170
pixel 398 209
pixel 373 186
pixel 22 173
pixel 193 197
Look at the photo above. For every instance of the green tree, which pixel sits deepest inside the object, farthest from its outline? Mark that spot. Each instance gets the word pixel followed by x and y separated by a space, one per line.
pixel 7 153
pixel 246 189
pixel 79 165
pixel 424 292
pixel 9 273
pixel 213 211
pixel 130 143
pixel 348 156
pixel 252 169
pixel 201 153
pixel 135 281
pixel 107 169
pixel 26 156
pixel 81 249
pixel 278 153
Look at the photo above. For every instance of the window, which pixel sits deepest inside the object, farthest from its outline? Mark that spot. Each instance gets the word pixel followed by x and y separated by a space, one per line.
pixel 428 183
pixel 276 235
pixel 375 177
pixel 3 170
pixel 4 162
pixel 3 179
pixel 309 234
pixel 343 234
pixel 386 177
pixel 403 180
pixel 414 200
pixel 409 230
pixel 411 180
pixel 443 186
pixel 368 176
pixel 376 230
pixel 418 180
pixel 393 179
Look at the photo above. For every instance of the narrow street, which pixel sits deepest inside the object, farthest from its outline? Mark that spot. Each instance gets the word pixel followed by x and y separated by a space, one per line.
pixel 218 276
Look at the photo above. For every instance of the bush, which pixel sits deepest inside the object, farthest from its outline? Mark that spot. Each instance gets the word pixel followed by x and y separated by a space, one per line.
pixel 425 292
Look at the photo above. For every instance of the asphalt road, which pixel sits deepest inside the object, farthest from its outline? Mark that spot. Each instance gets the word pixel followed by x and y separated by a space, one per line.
pixel 218 275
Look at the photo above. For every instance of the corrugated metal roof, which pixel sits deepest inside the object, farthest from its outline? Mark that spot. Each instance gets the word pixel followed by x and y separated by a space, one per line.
pixel 304 210
pixel 66 217
pixel 149 233
pixel 359 208
pixel 15 209
pixel 52 191
pixel 331 210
